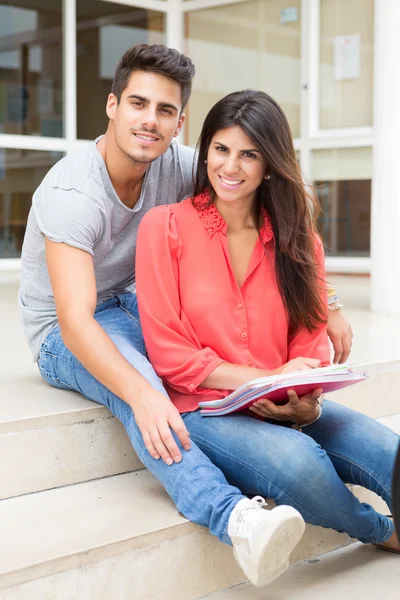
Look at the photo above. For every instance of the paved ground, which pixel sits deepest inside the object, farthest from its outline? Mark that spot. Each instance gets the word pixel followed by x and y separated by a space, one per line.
pixel 376 338
pixel 354 573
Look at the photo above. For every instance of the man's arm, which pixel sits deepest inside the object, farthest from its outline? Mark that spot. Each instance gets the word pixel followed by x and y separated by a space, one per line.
pixel 338 328
pixel 74 287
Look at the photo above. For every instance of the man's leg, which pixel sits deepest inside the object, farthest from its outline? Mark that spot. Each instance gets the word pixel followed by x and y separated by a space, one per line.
pixel 288 466
pixel 198 488
pixel 262 540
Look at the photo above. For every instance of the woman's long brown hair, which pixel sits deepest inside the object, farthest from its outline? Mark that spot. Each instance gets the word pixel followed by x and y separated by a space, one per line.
pixel 291 207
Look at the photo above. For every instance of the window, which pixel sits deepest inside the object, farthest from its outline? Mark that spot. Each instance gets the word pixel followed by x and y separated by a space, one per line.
pixel 346 102
pixel 21 171
pixel 343 184
pixel 31 70
pixel 104 32
pixel 253 44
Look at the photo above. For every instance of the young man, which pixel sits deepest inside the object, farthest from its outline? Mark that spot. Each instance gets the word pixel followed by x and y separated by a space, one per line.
pixel 79 306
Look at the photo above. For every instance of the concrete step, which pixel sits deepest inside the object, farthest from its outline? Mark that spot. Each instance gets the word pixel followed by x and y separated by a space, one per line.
pixel 121 537
pixel 354 572
pixel 51 438
pixel 118 537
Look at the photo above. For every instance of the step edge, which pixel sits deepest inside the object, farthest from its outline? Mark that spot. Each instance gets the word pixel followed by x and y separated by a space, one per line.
pixel 62 418
pixel 84 557
pixel 54 420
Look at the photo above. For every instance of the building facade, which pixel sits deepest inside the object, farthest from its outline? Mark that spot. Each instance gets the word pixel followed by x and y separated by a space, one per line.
pixel 315 57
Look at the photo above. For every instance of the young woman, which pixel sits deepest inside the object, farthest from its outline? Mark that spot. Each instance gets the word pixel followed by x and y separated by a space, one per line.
pixel 231 286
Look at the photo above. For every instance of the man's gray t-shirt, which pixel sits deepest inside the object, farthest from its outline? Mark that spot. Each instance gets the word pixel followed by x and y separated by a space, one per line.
pixel 76 204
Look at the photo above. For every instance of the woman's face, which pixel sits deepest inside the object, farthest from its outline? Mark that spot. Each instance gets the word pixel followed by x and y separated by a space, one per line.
pixel 235 167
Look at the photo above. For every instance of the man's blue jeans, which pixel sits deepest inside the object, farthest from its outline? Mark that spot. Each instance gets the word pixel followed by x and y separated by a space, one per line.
pixel 305 470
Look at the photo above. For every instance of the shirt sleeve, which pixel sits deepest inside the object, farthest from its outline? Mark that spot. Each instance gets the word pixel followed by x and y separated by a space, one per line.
pixel 69 217
pixel 172 345
pixel 314 344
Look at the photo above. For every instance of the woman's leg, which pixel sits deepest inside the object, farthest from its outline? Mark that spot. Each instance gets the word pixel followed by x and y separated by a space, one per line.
pixel 289 467
pixel 262 540
pixel 362 450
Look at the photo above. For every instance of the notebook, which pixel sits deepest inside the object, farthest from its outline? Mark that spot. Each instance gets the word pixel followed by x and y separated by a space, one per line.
pixel 275 388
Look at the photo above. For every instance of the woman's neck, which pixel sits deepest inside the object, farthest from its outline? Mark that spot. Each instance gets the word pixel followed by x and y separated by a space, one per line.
pixel 237 215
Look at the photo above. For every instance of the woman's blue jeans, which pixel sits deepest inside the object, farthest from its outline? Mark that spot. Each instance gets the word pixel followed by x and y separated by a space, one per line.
pixel 237 454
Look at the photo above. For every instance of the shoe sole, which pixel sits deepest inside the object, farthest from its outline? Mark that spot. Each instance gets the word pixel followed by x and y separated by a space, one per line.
pixel 273 547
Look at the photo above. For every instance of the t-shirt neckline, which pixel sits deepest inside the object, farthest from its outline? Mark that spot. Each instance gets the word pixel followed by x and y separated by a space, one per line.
pixel 139 204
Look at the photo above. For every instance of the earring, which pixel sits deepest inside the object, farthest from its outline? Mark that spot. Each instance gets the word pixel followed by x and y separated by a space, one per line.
pixel 267 177
pixel 205 162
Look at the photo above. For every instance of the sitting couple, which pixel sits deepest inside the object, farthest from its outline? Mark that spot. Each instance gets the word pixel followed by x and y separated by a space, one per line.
pixel 230 285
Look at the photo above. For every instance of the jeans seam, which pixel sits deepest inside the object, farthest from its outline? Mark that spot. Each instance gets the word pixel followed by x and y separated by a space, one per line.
pixel 353 464
pixel 44 351
pixel 51 376
pixel 131 316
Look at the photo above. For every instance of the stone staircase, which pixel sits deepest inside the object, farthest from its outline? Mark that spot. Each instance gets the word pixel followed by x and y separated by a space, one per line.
pixel 81 519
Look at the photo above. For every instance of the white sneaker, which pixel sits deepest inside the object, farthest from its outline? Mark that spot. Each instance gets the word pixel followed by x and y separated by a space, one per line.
pixel 264 539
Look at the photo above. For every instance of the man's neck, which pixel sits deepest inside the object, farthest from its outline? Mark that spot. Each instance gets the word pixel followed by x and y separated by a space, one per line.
pixel 125 174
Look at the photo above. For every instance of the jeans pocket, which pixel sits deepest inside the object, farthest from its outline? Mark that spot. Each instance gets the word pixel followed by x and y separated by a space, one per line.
pixel 47 364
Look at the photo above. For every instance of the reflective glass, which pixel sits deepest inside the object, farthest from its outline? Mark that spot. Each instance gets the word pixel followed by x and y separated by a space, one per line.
pixel 252 44
pixel 346 63
pixel 21 171
pixel 105 30
pixel 343 184
pixel 31 69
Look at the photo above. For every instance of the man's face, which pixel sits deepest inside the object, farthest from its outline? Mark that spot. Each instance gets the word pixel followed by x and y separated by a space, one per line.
pixel 147 117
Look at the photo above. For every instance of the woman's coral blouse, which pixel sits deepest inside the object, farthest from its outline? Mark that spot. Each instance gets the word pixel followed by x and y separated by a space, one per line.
pixel 195 316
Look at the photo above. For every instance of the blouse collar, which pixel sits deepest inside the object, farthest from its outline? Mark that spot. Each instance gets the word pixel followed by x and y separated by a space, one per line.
pixel 213 221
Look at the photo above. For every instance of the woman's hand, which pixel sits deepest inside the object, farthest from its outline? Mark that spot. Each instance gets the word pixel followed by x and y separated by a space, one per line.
pixel 300 364
pixel 297 410
pixel 340 334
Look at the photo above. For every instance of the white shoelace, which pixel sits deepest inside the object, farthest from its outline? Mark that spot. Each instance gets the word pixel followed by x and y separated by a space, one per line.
pixel 248 515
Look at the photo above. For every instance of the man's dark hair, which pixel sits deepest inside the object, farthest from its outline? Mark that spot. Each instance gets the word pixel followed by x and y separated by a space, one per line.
pixel 154 59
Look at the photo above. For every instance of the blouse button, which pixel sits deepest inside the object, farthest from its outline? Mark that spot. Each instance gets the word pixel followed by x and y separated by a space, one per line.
pixel 240 305
pixel 191 387
pixel 244 334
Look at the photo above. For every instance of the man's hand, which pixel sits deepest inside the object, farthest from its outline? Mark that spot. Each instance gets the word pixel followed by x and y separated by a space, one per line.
pixel 298 410
pixel 340 334
pixel 155 416
pixel 300 364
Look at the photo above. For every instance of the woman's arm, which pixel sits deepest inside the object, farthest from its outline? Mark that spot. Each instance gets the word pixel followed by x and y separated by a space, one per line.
pixel 228 374
pixel 172 345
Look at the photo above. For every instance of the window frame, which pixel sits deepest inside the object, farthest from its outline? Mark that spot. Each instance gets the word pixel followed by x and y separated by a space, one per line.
pixel 311 136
